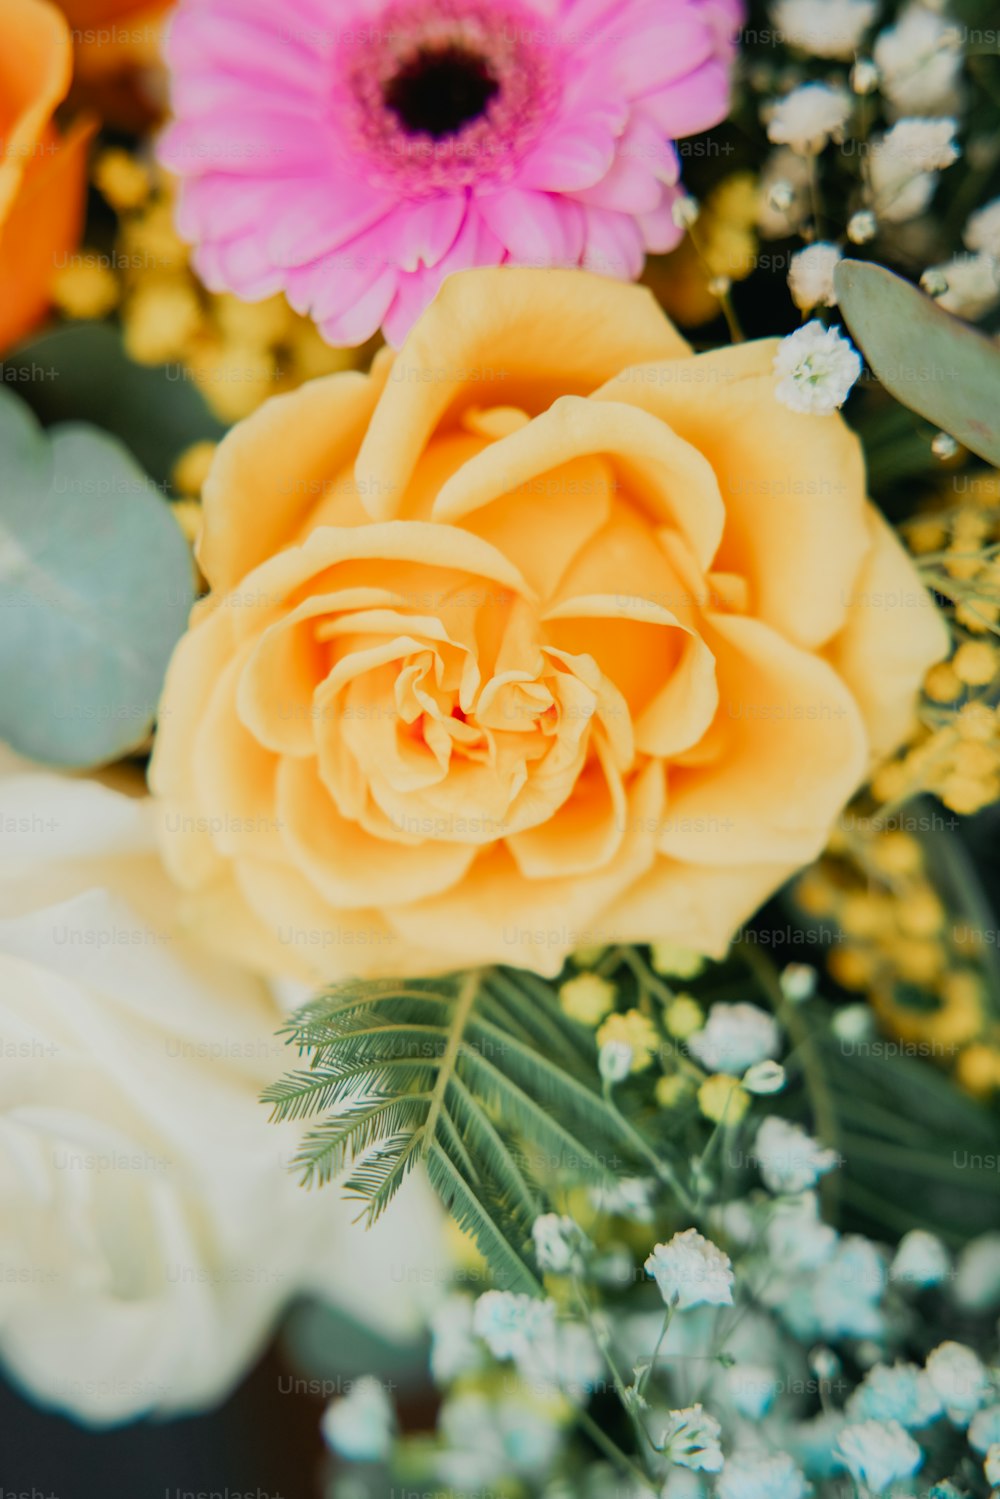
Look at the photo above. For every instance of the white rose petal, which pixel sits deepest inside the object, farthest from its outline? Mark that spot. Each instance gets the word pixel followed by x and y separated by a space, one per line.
pixel 145 1201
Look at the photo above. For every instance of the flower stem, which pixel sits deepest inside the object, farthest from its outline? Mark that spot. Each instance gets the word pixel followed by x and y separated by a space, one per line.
pixel 819 1092
pixel 612 1451
pixel 644 1377
pixel 663 1170
pixel 603 1340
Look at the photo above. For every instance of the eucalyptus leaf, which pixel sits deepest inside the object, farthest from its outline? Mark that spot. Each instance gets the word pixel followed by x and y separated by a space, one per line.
pixel 82 373
pixel 95 587
pixel 930 361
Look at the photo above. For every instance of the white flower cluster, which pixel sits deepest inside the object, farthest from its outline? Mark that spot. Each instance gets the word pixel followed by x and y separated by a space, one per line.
pixel 969 285
pixel 773 1303
pixel 735 1037
pixel 915 66
pixel 824 28
pixel 815 369
pixel 550 1355
pixel 691 1271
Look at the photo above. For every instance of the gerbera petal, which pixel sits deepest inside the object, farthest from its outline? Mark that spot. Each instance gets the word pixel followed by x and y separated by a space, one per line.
pixel 566 166
pixel 266 143
pixel 570 159
pixel 240 265
pixel 631 186
pixel 361 320
pixel 424 232
pixel 614 244
pixel 690 104
pixel 203 45
pixel 325 216
pixel 647 57
pixel 534 227
pixel 475 245
pixel 660 231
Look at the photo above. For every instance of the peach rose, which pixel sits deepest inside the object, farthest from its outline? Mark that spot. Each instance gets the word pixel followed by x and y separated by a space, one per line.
pixel 42 174
pixel 546 633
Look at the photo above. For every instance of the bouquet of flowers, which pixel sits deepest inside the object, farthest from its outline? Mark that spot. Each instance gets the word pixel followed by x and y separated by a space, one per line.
pixel 500 565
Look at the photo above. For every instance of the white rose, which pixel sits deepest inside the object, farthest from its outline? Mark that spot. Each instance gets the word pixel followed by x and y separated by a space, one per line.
pixel 150 1230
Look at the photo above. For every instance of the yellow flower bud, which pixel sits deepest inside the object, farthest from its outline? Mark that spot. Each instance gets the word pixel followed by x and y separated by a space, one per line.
pixel 851 967
pixel 897 853
pixel 890 782
pixel 122 180
pixel 683 1017
pixel 722 1100
pixel 977 616
pixel 675 962
pixel 670 1091
pixel 978 1069
pixel 968 794
pixel 975 663
pixel 942 683
pixel 86 288
pixel 587 998
pixel 635 1030
pixel 973 758
pixel 925 535
pixel 815 894
pixel 920 913
pixel 976 721
pixel 187 514
pixel 160 319
pixel 191 468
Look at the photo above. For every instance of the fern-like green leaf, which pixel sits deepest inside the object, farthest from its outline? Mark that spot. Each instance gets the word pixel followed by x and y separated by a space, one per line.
pixel 478 1075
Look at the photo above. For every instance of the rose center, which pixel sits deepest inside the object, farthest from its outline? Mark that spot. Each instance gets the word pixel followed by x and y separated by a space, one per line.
pixel 439 90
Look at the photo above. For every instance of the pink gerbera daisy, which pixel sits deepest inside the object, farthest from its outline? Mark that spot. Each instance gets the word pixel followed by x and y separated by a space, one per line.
pixel 352 153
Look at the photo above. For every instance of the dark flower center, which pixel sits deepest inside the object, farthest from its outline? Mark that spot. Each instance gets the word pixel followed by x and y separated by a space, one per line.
pixel 438 91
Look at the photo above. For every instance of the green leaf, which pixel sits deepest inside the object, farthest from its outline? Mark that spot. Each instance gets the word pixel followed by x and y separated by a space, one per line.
pixel 480 1076
pixel 930 361
pixel 82 373
pixel 95 588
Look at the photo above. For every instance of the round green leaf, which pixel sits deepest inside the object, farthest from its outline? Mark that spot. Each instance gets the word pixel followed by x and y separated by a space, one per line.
pixel 932 362
pixel 95 588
